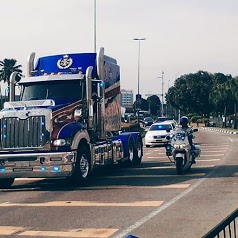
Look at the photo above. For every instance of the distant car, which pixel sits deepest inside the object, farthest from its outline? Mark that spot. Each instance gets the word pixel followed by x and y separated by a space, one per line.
pixel 161 119
pixel 156 135
pixel 210 124
pixel 147 121
pixel 175 124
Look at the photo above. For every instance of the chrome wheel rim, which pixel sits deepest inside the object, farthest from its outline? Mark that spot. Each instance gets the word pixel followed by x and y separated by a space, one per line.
pixel 131 153
pixel 139 151
pixel 84 166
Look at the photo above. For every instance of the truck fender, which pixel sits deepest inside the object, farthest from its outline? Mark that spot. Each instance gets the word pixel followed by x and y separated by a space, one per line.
pixel 82 134
pixel 125 138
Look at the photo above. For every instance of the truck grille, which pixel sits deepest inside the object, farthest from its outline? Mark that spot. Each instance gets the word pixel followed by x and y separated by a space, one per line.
pixel 23 133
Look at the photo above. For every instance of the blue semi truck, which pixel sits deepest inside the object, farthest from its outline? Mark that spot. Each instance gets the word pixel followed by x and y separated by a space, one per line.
pixel 67 121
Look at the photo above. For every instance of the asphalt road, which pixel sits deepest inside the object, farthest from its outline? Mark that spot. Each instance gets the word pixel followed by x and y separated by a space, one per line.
pixel 147 201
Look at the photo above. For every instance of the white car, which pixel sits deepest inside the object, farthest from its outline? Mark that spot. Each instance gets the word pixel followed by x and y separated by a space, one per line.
pixel 156 135
pixel 175 124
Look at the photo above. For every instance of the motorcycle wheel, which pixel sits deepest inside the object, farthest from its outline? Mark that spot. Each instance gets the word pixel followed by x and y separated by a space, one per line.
pixel 179 165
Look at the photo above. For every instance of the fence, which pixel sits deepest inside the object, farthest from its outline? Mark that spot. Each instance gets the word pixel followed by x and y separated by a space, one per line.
pixel 228 228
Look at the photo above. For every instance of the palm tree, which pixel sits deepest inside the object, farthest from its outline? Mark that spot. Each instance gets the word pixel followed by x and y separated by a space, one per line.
pixel 7 67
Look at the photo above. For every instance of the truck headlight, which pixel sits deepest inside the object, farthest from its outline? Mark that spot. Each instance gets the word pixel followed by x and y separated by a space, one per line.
pixel 61 142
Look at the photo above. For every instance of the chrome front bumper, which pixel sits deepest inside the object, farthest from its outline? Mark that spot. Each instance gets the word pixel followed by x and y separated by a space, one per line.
pixel 37 165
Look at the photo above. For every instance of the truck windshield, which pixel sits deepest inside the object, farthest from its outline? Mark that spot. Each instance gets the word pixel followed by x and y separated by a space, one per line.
pixel 70 89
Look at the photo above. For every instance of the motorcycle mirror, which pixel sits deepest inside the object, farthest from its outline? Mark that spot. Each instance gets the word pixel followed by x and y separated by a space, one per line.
pixel 168 137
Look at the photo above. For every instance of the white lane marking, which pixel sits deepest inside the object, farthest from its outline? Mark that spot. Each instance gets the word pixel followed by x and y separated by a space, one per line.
pixel 207 160
pixel 10 230
pixel 153 176
pixel 202 155
pixel 216 146
pixel 170 186
pixel 156 157
pixel 29 179
pixel 158 210
pixel 100 233
pixel 154 213
pixel 85 204
pixel 203 166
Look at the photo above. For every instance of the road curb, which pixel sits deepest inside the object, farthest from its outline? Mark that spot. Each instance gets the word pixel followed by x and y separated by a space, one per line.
pixel 220 130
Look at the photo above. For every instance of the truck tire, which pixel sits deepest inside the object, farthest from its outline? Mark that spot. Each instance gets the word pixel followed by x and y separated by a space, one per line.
pixel 131 151
pixel 6 182
pixel 138 151
pixel 82 169
pixel 130 160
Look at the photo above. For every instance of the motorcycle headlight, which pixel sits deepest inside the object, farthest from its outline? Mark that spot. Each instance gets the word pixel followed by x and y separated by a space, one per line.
pixel 182 146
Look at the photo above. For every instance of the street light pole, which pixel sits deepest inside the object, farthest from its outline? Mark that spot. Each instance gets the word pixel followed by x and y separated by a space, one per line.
pixel 138 70
pixel 162 103
pixel 138 75
pixel 95 40
pixel 179 109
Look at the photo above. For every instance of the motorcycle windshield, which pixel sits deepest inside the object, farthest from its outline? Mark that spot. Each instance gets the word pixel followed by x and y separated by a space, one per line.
pixel 180 135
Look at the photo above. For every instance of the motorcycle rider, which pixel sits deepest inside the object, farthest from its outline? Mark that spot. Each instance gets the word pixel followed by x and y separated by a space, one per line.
pixel 184 125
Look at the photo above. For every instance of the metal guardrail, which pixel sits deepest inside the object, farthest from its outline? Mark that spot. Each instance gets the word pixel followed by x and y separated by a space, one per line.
pixel 226 228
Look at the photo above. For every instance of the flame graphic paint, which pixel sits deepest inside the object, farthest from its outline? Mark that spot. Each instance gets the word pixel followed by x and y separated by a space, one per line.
pixel 64 116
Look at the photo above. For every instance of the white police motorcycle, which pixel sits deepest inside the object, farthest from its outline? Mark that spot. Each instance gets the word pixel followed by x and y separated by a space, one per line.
pixel 179 148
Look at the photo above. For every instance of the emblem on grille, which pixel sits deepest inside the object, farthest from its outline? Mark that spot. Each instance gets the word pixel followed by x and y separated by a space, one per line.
pixel 64 62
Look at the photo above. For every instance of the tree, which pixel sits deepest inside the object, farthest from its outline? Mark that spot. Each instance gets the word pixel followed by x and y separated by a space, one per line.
pixel 190 93
pixel 143 105
pixel 7 67
pixel 154 105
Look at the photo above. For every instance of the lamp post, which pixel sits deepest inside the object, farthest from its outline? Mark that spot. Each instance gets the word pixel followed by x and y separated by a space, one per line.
pixel 138 97
pixel 162 103
pixel 176 73
pixel 95 40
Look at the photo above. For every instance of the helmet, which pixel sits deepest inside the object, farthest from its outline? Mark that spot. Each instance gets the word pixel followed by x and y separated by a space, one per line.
pixel 184 121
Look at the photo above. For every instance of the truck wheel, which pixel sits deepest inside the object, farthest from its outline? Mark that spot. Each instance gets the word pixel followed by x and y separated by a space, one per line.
pixel 6 182
pixel 138 151
pixel 131 154
pixel 82 167
pixel 131 151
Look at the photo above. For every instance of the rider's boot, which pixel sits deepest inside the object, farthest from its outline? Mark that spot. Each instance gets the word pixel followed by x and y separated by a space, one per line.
pixel 193 152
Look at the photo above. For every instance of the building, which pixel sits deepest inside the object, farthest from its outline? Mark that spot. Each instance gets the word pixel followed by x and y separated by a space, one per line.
pixel 127 98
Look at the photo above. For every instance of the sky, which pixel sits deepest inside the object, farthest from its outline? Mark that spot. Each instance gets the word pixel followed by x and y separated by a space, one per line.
pixel 182 36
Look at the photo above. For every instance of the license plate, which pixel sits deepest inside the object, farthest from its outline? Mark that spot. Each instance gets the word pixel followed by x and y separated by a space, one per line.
pixel 22 164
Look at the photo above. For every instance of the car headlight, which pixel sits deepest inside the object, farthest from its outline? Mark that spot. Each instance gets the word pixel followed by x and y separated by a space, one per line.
pixel 148 136
pixel 176 146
